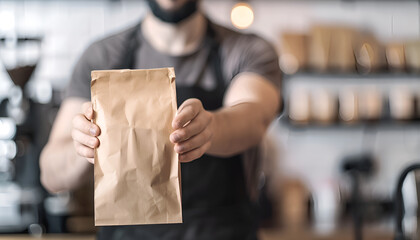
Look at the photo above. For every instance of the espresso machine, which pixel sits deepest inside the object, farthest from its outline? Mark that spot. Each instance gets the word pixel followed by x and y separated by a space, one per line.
pixel 24 130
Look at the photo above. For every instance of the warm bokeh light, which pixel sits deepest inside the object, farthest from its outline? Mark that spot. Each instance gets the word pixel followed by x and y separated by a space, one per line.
pixel 242 16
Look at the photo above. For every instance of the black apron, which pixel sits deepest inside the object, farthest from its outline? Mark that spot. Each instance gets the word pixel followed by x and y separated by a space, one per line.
pixel 214 198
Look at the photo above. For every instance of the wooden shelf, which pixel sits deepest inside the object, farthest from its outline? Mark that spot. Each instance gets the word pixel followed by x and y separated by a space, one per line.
pixel 385 124
pixel 353 76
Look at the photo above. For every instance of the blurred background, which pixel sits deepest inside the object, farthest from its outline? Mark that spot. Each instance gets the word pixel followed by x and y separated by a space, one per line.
pixel 350 125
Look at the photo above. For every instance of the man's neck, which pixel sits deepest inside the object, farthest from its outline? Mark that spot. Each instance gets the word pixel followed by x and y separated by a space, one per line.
pixel 175 39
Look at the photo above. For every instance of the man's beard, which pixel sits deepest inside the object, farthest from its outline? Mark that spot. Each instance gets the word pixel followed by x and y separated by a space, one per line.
pixel 176 16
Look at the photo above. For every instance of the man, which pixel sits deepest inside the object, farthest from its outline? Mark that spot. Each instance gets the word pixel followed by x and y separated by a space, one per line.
pixel 229 87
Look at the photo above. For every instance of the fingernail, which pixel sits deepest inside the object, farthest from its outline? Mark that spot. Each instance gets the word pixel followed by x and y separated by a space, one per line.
pixel 175 137
pixel 92 131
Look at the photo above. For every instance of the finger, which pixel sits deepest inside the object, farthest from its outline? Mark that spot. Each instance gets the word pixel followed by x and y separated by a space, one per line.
pixel 193 143
pixel 85 126
pixel 87 110
pixel 84 151
pixel 187 112
pixel 195 127
pixel 84 139
pixel 194 154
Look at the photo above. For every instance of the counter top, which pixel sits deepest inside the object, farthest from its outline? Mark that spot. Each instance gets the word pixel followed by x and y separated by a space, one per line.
pixel 266 234
pixel 273 234
pixel 48 237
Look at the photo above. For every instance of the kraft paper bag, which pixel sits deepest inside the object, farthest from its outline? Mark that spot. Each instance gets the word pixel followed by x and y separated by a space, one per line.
pixel 137 172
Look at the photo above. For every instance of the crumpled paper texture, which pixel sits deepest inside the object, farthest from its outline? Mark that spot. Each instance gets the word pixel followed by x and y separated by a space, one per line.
pixel 137 172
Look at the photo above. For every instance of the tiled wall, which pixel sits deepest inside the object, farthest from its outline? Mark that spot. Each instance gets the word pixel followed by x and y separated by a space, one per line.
pixel 67 27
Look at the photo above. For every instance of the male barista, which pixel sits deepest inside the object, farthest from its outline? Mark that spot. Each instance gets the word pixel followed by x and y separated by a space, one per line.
pixel 228 85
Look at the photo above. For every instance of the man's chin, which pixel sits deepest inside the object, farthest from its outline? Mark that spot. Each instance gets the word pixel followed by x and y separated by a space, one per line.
pixel 182 12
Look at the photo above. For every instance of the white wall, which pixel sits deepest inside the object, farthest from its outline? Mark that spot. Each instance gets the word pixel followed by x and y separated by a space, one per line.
pixel 67 27
pixel 387 19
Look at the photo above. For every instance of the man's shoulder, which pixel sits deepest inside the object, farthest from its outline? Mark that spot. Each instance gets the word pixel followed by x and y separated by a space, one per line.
pixel 231 38
pixel 116 38
pixel 107 49
pixel 223 33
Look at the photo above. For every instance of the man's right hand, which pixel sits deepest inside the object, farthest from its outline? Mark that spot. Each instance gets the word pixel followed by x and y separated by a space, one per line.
pixel 84 133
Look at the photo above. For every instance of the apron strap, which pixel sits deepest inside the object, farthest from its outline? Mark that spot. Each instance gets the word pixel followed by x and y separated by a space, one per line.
pixel 214 59
pixel 215 56
pixel 128 58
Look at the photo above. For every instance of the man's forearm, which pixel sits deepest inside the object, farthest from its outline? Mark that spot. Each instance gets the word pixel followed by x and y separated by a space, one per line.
pixel 238 128
pixel 61 168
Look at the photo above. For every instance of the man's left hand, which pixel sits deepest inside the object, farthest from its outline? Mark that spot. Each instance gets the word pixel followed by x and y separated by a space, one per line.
pixel 192 134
